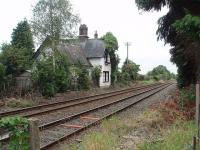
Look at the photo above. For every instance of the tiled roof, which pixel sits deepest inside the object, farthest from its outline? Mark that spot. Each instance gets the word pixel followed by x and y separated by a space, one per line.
pixel 74 52
pixel 78 51
pixel 94 48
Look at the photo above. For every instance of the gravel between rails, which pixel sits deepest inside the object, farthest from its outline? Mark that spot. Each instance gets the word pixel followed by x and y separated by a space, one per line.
pixel 130 112
pixel 52 116
pixel 144 105
pixel 48 136
pixel 30 111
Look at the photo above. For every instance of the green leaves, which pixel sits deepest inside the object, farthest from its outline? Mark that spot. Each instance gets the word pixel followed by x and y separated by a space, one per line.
pixel 181 31
pixel 110 41
pixel 17 56
pixel 50 80
pixel 2 75
pixel 83 78
pixel 130 70
pixel 96 73
pixel 15 59
pixel 19 135
pixel 189 25
pixel 22 37
pixel 160 73
pixel 111 47
pixel 148 5
pixel 54 18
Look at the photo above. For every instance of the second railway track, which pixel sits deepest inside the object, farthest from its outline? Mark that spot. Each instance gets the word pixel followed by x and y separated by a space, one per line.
pixel 41 109
pixel 56 131
pixel 61 122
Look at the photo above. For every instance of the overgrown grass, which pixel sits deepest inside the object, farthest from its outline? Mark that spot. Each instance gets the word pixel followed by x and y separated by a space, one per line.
pixel 113 129
pixel 179 137
pixel 20 103
pixel 148 82
pixel 187 96
pixel 158 128
pixel 106 139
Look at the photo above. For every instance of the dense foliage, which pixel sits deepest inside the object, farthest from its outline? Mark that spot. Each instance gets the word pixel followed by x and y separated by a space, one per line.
pixel 160 73
pixel 83 78
pixel 22 37
pixel 15 59
pixel 2 75
pixel 18 128
pixel 96 73
pixel 50 80
pixel 44 78
pixel 130 70
pixel 189 25
pixel 184 52
pixel 54 19
pixel 111 48
pixel 17 56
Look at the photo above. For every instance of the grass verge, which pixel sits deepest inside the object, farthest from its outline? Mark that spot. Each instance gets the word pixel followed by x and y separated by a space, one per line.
pixel 19 103
pixel 167 126
pixel 178 137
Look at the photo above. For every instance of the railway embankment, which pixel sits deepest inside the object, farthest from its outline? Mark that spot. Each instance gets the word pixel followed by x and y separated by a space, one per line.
pixel 161 122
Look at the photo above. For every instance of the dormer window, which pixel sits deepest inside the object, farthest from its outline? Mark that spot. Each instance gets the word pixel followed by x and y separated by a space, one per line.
pixel 107 59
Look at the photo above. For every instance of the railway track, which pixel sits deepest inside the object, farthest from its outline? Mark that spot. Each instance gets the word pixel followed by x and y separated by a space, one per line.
pixel 36 110
pixel 56 131
pixel 66 105
pixel 61 128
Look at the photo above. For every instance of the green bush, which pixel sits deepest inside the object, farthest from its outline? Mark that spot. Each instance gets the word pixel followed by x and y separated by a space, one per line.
pixel 130 70
pixel 50 78
pixel 2 75
pixel 96 73
pixel 187 96
pixel 160 73
pixel 62 80
pixel 19 135
pixel 44 75
pixel 62 73
pixel 83 78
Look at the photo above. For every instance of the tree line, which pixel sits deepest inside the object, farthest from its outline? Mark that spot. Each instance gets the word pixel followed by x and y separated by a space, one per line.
pixel 53 20
pixel 180 27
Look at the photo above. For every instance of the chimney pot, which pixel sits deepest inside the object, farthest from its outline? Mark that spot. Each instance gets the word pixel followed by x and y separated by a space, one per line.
pixel 96 35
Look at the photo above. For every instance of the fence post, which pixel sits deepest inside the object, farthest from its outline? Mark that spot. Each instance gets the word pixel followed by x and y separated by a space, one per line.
pixel 198 109
pixel 197 103
pixel 34 134
pixel 194 143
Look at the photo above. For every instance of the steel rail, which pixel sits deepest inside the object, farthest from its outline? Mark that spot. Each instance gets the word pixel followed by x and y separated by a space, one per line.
pixel 53 123
pixel 6 138
pixel 82 102
pixel 46 126
pixel 18 111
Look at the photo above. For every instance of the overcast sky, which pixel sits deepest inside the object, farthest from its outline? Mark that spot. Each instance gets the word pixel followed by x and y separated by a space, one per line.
pixel 121 17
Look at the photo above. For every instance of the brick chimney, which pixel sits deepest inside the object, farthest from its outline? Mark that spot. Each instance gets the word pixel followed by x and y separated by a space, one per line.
pixel 96 35
pixel 83 33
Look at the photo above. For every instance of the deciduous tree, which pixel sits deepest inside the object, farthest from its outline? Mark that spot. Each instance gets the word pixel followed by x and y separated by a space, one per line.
pixel 160 72
pixel 111 48
pixel 54 19
pixel 130 69
pixel 183 49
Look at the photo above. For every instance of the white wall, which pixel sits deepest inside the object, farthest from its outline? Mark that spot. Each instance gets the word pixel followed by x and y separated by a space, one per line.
pixel 101 62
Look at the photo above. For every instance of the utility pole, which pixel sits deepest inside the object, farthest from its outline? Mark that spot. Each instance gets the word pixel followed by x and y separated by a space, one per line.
pixel 127 45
